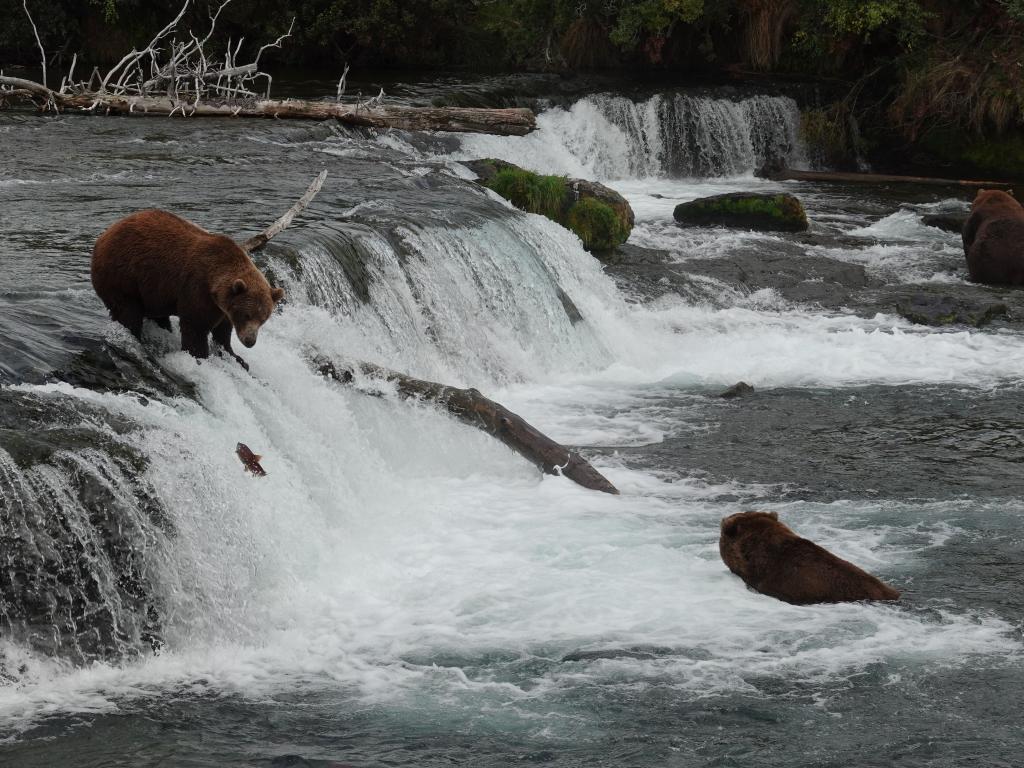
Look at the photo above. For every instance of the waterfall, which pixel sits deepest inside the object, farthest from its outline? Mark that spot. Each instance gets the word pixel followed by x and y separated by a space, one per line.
pixel 112 537
pixel 674 135
pixel 393 557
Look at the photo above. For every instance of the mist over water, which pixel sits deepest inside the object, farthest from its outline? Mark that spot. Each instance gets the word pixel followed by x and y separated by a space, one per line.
pixel 402 589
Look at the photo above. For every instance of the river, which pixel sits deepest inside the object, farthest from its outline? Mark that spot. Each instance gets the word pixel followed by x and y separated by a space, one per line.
pixel 402 590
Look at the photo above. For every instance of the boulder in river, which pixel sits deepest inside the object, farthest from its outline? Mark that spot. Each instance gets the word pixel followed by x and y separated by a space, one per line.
pixel 925 309
pixel 600 216
pixel 740 389
pixel 777 212
pixel 949 222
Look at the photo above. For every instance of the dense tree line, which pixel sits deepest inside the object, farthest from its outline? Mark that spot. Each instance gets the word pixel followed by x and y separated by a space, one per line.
pixel 953 63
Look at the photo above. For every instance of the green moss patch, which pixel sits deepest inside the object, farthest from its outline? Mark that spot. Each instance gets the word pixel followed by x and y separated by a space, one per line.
pixel 775 212
pixel 600 224
pixel 597 224
pixel 531 192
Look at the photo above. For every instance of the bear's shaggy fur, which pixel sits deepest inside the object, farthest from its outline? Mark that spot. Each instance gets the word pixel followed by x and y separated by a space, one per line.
pixel 153 264
pixel 994 239
pixel 774 561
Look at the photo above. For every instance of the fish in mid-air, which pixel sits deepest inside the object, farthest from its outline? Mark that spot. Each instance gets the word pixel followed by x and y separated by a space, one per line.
pixel 250 460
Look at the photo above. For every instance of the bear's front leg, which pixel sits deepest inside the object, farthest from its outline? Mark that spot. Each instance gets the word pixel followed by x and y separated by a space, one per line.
pixel 222 335
pixel 129 314
pixel 195 340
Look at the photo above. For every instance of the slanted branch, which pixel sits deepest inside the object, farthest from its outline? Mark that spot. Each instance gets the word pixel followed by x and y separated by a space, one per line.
pixel 470 407
pixel 256 242
pixel 179 74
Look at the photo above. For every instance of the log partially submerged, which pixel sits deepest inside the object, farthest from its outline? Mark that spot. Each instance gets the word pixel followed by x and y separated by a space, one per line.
pixel 501 122
pixel 471 407
pixel 788 174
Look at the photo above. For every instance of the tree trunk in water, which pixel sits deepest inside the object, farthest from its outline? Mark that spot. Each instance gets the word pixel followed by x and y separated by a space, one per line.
pixel 501 122
pixel 472 408
pixel 788 174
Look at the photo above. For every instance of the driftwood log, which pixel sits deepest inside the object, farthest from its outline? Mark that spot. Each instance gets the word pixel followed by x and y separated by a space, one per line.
pixel 471 407
pixel 788 174
pixel 180 72
pixel 501 122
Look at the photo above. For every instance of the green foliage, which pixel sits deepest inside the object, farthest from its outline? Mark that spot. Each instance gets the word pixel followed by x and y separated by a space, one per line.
pixel 1014 9
pixel 633 19
pixel 531 192
pixel 829 135
pixel 109 7
pixel 597 224
pixel 862 17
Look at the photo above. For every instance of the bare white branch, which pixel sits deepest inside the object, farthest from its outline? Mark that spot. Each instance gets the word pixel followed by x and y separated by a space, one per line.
pixel 150 49
pixel 260 240
pixel 42 53
pixel 342 84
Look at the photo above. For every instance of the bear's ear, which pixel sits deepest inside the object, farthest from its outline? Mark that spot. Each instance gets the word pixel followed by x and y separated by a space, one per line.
pixel 731 528
pixel 238 287
pixel 277 294
pixel 773 515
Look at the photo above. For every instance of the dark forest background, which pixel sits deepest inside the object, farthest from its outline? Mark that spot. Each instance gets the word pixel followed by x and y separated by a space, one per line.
pixel 946 75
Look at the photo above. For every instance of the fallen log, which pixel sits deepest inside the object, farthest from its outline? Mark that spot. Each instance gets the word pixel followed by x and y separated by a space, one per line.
pixel 501 122
pixel 471 407
pixel 788 174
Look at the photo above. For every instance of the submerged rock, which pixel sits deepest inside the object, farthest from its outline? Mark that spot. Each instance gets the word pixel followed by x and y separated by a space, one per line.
pixel 601 217
pixel 925 309
pixel 740 389
pixel 779 212
pixel 949 222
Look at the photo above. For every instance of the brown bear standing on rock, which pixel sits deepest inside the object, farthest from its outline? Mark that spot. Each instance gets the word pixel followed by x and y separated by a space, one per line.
pixel 154 264
pixel 994 239
pixel 774 561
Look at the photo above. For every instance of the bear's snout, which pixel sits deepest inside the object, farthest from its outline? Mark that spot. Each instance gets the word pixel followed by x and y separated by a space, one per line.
pixel 247 334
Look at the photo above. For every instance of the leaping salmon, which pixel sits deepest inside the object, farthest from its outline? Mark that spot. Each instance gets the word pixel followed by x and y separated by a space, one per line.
pixel 250 460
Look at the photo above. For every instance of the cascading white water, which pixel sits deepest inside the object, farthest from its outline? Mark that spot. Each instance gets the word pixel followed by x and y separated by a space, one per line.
pixel 387 537
pixel 678 135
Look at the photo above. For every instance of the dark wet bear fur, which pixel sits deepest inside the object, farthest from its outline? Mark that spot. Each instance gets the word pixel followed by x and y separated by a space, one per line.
pixel 154 264
pixel 994 239
pixel 774 561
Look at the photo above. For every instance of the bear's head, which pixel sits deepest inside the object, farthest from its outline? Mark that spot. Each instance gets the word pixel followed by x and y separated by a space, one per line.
pixel 739 528
pixel 248 301
pixel 997 197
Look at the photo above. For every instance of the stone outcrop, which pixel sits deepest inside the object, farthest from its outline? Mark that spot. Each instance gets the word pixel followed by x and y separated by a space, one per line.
pixel 600 216
pixel 778 212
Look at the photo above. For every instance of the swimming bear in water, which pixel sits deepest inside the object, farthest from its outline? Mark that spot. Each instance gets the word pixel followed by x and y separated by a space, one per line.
pixel 774 561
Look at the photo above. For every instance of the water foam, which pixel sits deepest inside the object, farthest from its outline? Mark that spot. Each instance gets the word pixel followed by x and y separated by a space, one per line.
pixel 679 135
pixel 391 554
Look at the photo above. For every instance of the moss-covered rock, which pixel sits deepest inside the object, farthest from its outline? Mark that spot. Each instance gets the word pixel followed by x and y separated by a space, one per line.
pixel 925 309
pixel 779 212
pixel 600 217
